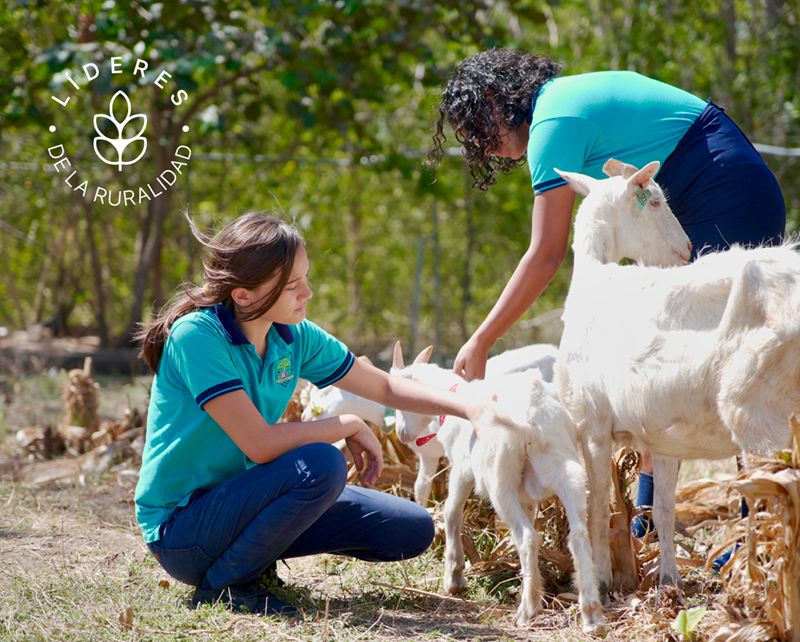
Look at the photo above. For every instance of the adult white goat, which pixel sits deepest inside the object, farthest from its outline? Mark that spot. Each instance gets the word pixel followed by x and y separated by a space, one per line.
pixel 692 362
pixel 517 461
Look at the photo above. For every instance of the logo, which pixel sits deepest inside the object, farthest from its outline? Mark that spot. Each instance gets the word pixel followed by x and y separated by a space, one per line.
pixel 119 140
pixel 283 371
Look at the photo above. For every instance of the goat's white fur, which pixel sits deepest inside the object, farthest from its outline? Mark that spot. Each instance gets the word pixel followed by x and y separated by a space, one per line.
pixel 696 361
pixel 333 402
pixel 519 460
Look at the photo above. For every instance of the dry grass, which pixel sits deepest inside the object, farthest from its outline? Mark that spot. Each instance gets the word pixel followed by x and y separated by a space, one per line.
pixel 73 565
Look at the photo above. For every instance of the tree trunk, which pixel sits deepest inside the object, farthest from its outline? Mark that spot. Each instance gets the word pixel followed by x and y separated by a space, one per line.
pixel 55 250
pixel 153 224
pixel 355 290
pixel 97 276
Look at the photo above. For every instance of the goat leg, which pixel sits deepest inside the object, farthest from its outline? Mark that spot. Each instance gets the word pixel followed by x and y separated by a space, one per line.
pixel 572 494
pixel 423 483
pixel 459 488
pixel 665 480
pixel 597 454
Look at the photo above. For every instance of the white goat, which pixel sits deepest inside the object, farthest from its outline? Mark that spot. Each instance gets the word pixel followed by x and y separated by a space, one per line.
pixel 429 450
pixel 691 362
pixel 539 355
pixel 518 461
pixel 332 402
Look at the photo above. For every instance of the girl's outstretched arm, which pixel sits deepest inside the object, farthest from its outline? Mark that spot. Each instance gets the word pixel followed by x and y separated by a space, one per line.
pixel 551 220
pixel 365 380
pixel 262 442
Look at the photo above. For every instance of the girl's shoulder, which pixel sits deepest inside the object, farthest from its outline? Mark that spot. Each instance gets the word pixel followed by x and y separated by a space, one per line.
pixel 200 323
pixel 309 330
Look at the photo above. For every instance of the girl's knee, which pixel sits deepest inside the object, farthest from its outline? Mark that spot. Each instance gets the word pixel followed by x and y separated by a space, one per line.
pixel 421 531
pixel 322 463
pixel 411 534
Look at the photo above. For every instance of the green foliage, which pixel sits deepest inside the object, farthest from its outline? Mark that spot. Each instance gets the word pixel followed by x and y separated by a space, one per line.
pixel 686 622
pixel 321 110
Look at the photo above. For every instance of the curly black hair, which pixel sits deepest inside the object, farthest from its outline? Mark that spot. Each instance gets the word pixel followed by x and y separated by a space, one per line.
pixel 502 81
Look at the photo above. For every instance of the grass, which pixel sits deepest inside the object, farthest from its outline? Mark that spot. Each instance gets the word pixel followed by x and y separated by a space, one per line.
pixel 73 566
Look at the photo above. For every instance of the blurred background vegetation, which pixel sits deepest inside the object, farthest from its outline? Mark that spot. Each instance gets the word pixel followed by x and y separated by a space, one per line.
pixel 323 110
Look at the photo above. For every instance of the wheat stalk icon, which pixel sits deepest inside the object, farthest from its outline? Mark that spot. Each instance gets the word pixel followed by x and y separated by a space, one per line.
pixel 120 142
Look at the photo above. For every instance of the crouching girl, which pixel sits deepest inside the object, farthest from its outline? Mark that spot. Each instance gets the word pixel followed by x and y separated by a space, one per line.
pixel 225 490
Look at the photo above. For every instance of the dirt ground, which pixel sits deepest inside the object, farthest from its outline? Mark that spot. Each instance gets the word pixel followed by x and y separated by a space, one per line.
pixel 66 533
pixel 73 565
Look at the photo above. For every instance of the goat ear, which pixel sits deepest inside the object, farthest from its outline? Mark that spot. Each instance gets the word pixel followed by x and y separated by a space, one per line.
pixel 425 355
pixel 614 167
pixel 579 182
pixel 397 357
pixel 644 175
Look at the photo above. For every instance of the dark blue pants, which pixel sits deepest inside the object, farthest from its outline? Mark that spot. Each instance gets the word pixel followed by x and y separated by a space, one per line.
pixel 719 187
pixel 297 505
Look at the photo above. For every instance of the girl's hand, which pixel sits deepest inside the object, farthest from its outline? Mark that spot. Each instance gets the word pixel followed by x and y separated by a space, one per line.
pixel 479 414
pixel 362 442
pixel 470 361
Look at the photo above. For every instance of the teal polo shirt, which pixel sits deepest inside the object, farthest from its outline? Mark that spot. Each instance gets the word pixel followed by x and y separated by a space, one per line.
pixel 581 121
pixel 205 356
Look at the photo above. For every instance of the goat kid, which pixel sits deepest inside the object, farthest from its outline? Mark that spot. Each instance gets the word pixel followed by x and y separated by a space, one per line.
pixel 519 460
pixel 333 402
pixel 698 361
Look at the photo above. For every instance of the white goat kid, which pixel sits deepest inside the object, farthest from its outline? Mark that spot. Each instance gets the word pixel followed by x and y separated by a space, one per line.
pixel 518 461
pixel 429 450
pixel 691 362
pixel 333 402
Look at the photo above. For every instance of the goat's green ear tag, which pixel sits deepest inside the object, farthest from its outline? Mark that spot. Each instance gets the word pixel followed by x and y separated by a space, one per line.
pixel 642 196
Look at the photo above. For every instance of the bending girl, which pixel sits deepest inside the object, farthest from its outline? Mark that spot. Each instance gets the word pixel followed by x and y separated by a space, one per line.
pixel 504 105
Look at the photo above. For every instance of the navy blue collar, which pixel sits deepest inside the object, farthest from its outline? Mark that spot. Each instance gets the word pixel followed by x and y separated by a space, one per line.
pixel 236 336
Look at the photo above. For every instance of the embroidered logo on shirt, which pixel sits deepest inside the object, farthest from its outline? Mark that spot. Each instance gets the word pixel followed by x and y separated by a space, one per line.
pixel 283 371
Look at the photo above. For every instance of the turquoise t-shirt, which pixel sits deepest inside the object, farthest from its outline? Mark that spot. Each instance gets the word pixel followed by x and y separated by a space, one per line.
pixel 581 121
pixel 205 356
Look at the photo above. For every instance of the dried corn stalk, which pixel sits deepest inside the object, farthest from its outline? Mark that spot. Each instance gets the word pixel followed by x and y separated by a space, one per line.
pixel 624 563
pixel 79 419
pixel 762 579
pixel 700 503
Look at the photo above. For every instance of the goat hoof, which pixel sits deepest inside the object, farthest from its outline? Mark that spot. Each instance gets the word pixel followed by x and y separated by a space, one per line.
pixel 455 585
pixel 593 623
pixel 527 612
pixel 594 629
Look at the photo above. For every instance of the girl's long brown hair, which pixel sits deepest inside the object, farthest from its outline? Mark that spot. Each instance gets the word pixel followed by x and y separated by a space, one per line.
pixel 245 254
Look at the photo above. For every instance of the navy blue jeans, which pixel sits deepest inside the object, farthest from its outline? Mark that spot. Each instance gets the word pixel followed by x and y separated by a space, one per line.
pixel 296 505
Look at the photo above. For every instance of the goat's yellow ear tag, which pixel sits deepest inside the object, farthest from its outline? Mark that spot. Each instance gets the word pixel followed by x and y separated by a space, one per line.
pixel 642 196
